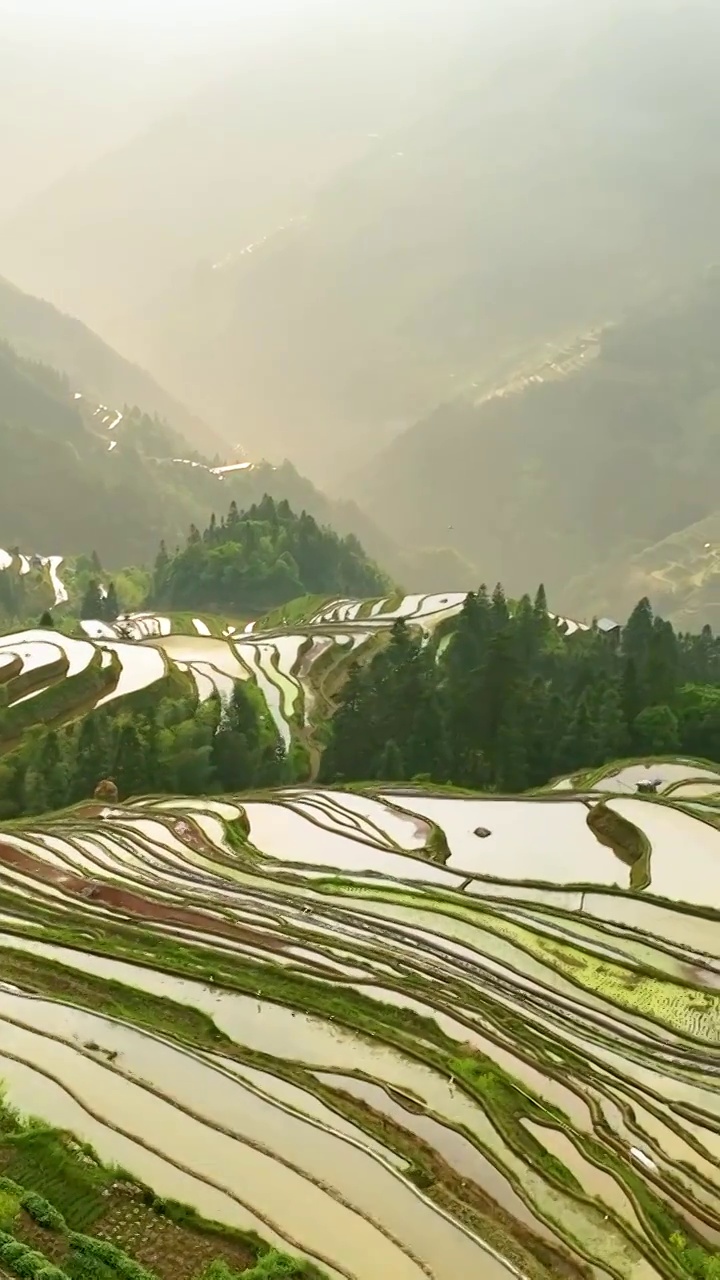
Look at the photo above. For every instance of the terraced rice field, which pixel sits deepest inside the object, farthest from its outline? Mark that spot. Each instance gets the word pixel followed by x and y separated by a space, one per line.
pixel 297 670
pixel 52 565
pixel 379 1040
pixel 666 776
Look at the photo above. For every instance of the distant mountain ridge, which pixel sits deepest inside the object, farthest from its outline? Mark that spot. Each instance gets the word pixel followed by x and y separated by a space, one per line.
pixel 37 329
pixel 77 476
pixel 501 209
pixel 572 475
pixel 231 163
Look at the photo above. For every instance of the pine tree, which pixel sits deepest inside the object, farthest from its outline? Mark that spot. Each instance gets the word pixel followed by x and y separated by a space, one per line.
pixel 111 608
pixel 579 748
pixel 499 611
pixel 511 767
pixel 637 635
pixel 534 714
pixel 663 659
pixel 130 770
pixel 390 767
pixel 540 605
pixel 90 763
pixel 425 748
pixel 501 674
pixel 52 766
pixel 162 558
pixel 631 693
pixel 92 602
pixel 526 632
pixel 612 731
pixel 349 753
pixel 656 731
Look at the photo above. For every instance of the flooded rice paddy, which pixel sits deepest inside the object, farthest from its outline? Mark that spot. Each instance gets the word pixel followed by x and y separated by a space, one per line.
pixel 396 1062
pixel 289 670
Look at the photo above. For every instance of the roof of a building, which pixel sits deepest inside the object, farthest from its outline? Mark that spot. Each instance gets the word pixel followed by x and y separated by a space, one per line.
pixel 607 624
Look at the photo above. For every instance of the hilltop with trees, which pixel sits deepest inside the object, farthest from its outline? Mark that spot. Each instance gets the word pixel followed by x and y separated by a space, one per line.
pixel 257 559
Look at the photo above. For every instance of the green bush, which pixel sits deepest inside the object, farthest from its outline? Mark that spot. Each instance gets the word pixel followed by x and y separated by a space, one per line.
pixel 9 1208
pixel 271 1266
pixel 11 1249
pixel 26 1262
pixel 274 1265
pixel 29 1263
pixel 42 1212
pixel 104 1251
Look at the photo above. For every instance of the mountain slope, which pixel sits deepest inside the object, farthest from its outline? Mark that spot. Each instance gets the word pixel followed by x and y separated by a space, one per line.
pixel 680 573
pixel 39 331
pixel 69 483
pixel 224 169
pixel 592 459
pixel 518 207
pixel 61 489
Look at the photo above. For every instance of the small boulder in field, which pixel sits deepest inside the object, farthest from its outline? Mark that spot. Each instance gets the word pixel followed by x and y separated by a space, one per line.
pixel 107 791
pixel 483 832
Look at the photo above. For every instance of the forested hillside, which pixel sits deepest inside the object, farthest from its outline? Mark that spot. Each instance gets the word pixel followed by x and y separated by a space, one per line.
pixel 40 332
pixel 430 566
pixel 597 456
pixel 60 489
pixel 253 560
pixel 506 701
pixel 63 490
pixel 172 746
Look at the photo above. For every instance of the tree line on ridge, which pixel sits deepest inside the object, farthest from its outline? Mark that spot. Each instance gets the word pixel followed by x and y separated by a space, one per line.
pixel 504 700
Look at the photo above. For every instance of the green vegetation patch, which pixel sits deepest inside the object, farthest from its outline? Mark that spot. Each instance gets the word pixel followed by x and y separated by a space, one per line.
pixel 627 842
pixel 59 1191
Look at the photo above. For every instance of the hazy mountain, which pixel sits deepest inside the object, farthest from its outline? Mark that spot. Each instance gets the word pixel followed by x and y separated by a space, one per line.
pixel 513 198
pixel 63 489
pixel 603 451
pixel 229 165
pixel 78 78
pixel 60 488
pixel 147 243
pixel 520 197
pixel 520 209
pixel 39 331
pixel 680 574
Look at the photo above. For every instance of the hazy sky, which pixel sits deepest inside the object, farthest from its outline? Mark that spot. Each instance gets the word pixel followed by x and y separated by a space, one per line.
pixel 170 24
pixel 188 24
pixel 79 77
